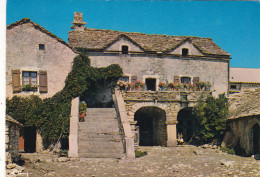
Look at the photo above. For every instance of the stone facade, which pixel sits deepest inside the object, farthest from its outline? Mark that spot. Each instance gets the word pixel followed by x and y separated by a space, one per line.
pixel 31 49
pixel 243 131
pixel 152 59
pixel 35 58
pixel 12 128
pixel 242 79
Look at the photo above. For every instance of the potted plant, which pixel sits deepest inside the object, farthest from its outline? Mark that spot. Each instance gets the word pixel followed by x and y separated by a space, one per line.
pixel 82 111
pixel 200 85
pixel 171 86
pixel 191 87
pixel 29 87
pixel 139 85
pixel 162 86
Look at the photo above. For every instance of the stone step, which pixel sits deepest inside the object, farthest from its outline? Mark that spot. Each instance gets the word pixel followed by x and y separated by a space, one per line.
pixel 101 126
pixel 104 139
pixel 100 109
pixel 102 155
pixel 100 144
pixel 106 130
pixel 104 121
pixel 101 135
pixel 92 149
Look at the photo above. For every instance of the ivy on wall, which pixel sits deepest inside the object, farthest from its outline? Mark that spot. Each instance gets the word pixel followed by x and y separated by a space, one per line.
pixel 51 115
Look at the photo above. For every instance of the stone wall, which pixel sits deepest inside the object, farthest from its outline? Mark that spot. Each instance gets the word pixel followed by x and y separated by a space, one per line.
pixel 22 52
pixel 166 67
pixel 241 131
pixel 11 141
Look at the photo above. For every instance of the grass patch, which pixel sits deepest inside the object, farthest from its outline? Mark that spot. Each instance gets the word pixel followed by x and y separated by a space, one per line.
pixel 228 150
pixel 139 153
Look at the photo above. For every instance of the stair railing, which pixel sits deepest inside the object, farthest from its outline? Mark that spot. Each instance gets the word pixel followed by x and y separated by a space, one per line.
pixel 124 124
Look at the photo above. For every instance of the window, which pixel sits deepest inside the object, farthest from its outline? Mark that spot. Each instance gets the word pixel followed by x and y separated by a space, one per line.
pixel 124 78
pixel 233 87
pixel 29 81
pixel 41 47
pixel 185 52
pixel 124 49
pixel 150 84
pixel 185 80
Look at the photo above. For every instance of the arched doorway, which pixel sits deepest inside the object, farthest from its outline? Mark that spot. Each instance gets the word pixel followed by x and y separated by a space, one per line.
pixel 152 126
pixel 256 139
pixel 185 124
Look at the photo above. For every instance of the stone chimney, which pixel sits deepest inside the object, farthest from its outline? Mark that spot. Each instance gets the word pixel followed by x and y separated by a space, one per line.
pixel 78 24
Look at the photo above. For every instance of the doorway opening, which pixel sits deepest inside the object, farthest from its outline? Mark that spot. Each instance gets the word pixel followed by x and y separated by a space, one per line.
pixel 29 139
pixel 256 139
pixel 152 127
pixel 150 84
pixel 185 124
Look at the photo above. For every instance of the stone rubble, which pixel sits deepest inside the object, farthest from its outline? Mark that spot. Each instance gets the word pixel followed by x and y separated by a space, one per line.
pixel 160 161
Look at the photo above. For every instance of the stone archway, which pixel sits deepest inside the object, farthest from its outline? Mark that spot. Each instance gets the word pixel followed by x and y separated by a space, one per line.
pixel 185 124
pixel 256 139
pixel 152 127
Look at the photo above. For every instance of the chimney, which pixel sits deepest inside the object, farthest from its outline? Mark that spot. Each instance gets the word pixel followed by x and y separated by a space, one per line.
pixel 78 24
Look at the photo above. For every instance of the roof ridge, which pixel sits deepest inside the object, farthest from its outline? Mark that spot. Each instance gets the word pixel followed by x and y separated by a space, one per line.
pixel 95 29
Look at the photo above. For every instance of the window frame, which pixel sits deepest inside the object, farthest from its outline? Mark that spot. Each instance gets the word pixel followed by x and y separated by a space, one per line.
pixel 34 87
pixel 126 50
pixel 41 47
pixel 185 52
pixel 182 78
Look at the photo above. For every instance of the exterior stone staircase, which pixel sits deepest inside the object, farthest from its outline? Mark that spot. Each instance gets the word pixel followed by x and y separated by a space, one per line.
pixel 99 136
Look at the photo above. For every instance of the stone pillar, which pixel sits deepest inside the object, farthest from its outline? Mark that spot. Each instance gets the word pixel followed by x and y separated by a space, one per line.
pixel 39 143
pixel 73 136
pixel 171 133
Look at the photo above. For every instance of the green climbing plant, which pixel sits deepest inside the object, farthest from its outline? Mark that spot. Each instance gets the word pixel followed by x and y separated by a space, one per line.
pixel 51 115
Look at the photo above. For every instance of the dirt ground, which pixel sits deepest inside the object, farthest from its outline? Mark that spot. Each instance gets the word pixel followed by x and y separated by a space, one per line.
pixel 159 161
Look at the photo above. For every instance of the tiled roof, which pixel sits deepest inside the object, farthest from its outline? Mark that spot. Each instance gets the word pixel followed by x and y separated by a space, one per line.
pixel 247 75
pixel 38 27
pixel 245 104
pixel 10 119
pixel 99 39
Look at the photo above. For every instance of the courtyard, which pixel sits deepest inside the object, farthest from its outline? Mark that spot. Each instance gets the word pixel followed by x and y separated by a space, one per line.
pixel 182 161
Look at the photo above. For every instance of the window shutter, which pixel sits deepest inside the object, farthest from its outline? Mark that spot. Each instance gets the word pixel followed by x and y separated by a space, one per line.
pixel 195 80
pixel 43 86
pixel 133 79
pixel 176 79
pixel 16 80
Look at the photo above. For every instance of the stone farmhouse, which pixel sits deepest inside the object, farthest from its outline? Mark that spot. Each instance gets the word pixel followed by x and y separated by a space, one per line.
pixel 243 132
pixel 154 115
pixel 117 120
pixel 37 63
pixel 241 79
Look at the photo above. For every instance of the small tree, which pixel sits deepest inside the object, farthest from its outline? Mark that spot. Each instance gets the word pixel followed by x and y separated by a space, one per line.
pixel 210 118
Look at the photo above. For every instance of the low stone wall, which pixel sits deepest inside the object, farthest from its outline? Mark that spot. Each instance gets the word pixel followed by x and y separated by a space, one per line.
pixel 240 134
pixel 12 141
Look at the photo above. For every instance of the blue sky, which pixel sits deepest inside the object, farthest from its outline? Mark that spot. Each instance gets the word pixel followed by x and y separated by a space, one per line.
pixel 234 26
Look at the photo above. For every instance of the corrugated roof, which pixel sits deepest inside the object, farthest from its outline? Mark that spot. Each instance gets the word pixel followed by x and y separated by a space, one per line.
pixel 245 75
pixel 100 39
pixel 10 119
pixel 245 104
pixel 36 26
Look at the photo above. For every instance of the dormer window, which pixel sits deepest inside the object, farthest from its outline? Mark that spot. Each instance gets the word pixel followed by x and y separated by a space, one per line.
pixel 185 52
pixel 124 49
pixel 41 47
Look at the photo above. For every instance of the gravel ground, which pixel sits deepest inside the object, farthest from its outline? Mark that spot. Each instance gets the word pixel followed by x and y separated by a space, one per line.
pixel 159 161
